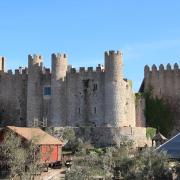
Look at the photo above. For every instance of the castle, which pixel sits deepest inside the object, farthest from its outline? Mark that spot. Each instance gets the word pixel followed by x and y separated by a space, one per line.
pixel 164 82
pixel 64 96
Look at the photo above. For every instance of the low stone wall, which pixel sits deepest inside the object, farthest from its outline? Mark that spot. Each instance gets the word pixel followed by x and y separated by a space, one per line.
pixel 108 136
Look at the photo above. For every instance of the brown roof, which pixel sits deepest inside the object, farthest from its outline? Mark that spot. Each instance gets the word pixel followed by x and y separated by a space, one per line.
pixel 37 135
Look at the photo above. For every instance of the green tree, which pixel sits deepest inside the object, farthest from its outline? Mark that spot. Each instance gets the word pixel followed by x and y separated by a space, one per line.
pixel 146 165
pixel 21 158
pixel 151 164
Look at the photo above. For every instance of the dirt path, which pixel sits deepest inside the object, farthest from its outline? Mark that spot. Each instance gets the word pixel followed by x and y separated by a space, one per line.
pixel 52 174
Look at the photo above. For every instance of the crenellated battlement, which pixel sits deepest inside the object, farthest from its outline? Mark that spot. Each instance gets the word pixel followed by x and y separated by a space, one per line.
pixel 17 72
pixel 59 56
pixel 9 72
pixel 20 71
pixel 98 69
pixel 82 69
pixel 35 60
pixel 90 69
pixel 46 71
pixel 35 57
pixel 161 68
pixel 112 53
pixel 73 70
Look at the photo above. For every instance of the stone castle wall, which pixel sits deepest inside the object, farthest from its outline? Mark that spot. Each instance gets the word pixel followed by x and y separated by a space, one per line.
pixel 165 83
pixel 140 108
pixel 58 90
pixel 84 97
pixel 109 136
pixel 13 101
pixel 114 85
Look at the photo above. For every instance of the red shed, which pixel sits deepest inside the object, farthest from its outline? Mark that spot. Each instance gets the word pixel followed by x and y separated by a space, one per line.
pixel 50 147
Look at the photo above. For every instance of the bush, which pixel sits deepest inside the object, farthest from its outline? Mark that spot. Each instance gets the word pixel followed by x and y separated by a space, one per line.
pixel 150 132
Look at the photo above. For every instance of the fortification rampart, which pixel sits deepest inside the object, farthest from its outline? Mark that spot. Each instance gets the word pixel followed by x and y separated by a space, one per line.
pixel 164 81
pixel 13 97
pixel 98 69
pixel 85 97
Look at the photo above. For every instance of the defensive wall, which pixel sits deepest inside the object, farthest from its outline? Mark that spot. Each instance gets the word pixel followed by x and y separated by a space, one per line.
pixel 164 82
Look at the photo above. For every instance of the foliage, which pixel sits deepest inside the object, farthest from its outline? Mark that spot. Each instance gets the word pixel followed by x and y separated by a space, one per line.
pixel 49 130
pixel 152 164
pixel 77 173
pixel 148 164
pixel 150 132
pixel 99 161
pixel 145 165
pixel 98 151
pixel 158 114
pixel 86 167
pixel 20 157
pixel 74 145
pixel 177 169
pixel 138 96
pixel 68 134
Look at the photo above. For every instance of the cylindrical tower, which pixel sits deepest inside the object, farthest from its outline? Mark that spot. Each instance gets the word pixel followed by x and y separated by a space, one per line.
pixel 58 90
pixel 34 91
pixel 114 89
pixel 2 63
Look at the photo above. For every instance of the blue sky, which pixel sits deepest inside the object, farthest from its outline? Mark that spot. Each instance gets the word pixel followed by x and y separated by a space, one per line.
pixel 147 32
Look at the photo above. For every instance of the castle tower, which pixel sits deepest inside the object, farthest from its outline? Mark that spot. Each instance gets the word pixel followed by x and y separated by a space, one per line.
pixel 2 63
pixel 58 107
pixel 114 89
pixel 34 91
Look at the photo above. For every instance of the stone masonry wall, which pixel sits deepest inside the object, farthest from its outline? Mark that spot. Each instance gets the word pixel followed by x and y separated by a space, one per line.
pixel 109 136
pixel 58 90
pixel 85 97
pixel 165 83
pixel 34 90
pixel 13 93
pixel 140 108
pixel 100 97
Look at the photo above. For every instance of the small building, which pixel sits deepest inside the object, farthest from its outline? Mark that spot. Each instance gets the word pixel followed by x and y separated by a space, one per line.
pixel 50 147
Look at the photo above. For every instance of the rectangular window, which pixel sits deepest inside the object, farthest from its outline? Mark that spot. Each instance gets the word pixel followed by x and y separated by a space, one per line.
pixel 94 110
pixel 95 87
pixel 47 91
